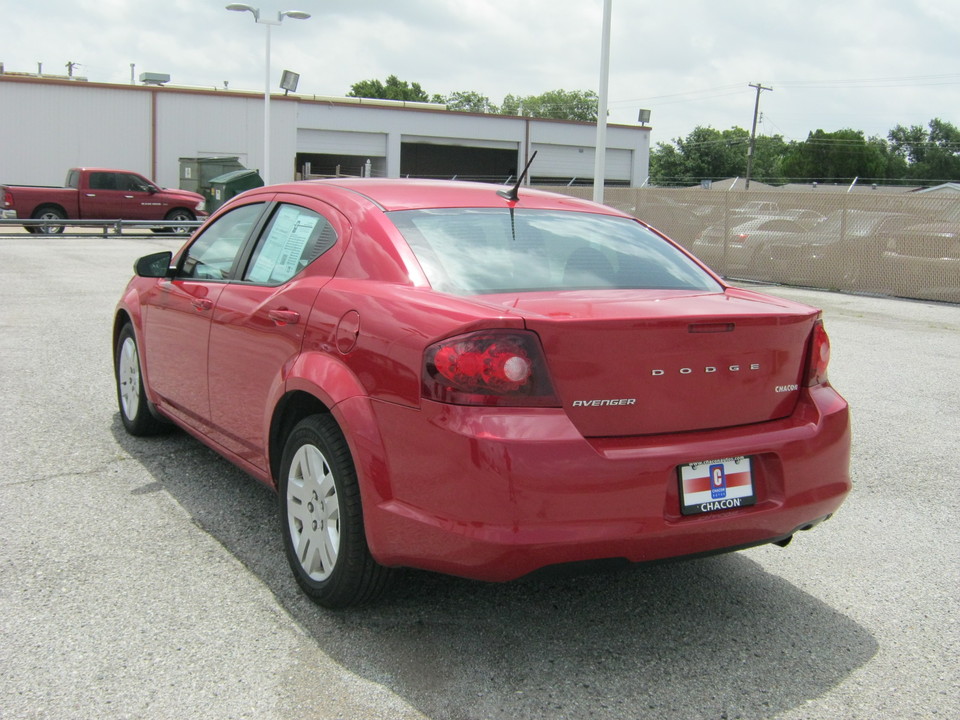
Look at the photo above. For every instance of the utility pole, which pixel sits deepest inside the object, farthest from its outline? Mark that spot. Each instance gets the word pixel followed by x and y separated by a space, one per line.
pixel 753 131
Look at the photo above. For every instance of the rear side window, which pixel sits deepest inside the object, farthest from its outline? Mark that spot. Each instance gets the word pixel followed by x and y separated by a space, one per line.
pixel 104 181
pixel 467 251
pixel 294 238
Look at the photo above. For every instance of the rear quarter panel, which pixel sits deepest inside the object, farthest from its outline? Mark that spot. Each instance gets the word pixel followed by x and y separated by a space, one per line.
pixel 380 331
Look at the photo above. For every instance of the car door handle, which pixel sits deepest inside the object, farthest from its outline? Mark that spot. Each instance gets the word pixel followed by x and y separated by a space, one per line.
pixel 90 194
pixel 284 317
pixel 129 197
pixel 202 304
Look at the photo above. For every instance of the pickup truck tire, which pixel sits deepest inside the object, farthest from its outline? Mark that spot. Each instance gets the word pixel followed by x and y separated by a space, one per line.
pixel 48 212
pixel 178 215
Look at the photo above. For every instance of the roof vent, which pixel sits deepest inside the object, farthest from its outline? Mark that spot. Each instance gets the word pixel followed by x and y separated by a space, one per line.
pixel 148 78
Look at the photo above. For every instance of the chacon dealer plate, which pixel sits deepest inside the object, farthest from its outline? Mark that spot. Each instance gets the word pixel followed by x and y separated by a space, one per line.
pixel 712 485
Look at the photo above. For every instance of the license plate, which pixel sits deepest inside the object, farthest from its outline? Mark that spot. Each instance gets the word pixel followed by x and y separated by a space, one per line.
pixel 713 485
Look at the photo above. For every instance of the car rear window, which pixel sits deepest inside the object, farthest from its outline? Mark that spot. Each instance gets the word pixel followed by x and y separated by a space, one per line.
pixel 467 251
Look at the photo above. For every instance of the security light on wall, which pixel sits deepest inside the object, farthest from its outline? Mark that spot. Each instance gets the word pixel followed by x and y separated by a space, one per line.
pixel 644 117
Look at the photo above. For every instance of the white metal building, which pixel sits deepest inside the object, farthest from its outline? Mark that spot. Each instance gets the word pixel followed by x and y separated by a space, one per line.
pixel 49 125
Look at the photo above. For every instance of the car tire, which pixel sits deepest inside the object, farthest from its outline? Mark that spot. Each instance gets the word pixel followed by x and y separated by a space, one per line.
pixel 49 212
pixel 135 410
pixel 178 215
pixel 321 518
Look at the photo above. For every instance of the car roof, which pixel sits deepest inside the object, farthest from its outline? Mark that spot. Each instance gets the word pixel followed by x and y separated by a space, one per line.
pixel 407 194
pixel 763 219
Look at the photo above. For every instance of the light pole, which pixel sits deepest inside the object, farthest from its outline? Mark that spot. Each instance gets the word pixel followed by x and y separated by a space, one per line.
pixel 599 165
pixel 296 15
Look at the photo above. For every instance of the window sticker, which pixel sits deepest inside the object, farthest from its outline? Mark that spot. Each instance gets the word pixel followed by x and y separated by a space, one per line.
pixel 283 247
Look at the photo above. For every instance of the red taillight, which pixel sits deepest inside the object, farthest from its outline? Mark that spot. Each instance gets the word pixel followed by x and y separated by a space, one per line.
pixel 496 368
pixel 739 239
pixel 819 356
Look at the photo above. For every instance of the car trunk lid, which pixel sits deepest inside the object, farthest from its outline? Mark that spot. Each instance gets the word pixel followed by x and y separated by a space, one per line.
pixel 645 362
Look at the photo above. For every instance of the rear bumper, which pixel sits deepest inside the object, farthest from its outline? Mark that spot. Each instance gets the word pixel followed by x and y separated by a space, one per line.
pixel 8 214
pixel 497 494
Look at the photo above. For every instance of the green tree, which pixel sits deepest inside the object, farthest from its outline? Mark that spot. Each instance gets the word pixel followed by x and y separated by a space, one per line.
pixel 839 156
pixel 556 104
pixel 667 166
pixel 710 154
pixel 392 89
pixel 931 154
pixel 469 101
pixel 768 159
pixel 713 154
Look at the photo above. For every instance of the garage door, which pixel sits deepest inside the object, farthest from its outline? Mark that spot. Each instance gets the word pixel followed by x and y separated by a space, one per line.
pixel 568 161
pixel 335 142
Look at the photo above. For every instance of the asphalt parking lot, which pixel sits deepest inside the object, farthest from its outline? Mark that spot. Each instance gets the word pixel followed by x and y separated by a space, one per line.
pixel 145 578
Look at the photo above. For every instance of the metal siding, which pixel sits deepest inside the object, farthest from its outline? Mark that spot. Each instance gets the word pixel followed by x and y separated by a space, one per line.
pixel 56 126
pixel 51 128
pixel 190 125
pixel 385 120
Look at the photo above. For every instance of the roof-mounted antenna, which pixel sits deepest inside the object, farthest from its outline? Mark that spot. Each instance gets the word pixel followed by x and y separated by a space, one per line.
pixel 513 194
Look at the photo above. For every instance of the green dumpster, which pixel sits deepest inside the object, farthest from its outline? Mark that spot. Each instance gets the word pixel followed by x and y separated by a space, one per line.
pixel 197 172
pixel 226 186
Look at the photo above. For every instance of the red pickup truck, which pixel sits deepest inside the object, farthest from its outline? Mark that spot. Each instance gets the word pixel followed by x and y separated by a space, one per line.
pixel 98 194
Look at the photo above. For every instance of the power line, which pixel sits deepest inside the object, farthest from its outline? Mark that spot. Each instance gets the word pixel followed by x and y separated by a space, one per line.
pixel 719 141
pixel 832 83
pixel 904 81
pixel 821 142
pixel 685 92
pixel 679 98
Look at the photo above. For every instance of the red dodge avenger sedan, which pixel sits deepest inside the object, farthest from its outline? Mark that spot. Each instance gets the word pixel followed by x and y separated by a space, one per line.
pixel 442 376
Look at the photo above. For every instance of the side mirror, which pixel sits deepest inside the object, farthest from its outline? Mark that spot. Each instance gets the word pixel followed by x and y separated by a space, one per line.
pixel 155 265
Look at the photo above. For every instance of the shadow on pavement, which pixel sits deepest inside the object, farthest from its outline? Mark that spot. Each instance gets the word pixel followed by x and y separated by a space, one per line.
pixel 710 638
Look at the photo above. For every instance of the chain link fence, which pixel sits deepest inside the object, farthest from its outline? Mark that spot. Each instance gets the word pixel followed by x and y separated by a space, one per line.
pixel 905 244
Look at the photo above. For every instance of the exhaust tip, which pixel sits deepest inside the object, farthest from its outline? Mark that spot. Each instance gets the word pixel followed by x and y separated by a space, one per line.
pixel 783 542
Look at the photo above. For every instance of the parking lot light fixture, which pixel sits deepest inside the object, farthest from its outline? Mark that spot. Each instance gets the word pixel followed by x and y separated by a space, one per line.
pixel 296 15
pixel 240 7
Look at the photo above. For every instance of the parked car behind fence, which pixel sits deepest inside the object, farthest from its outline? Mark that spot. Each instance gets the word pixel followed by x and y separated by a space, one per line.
pixel 924 261
pixel 744 250
pixel 891 242
pixel 843 250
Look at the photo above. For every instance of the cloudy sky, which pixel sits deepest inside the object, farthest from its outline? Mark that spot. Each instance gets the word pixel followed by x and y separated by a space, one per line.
pixel 832 64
